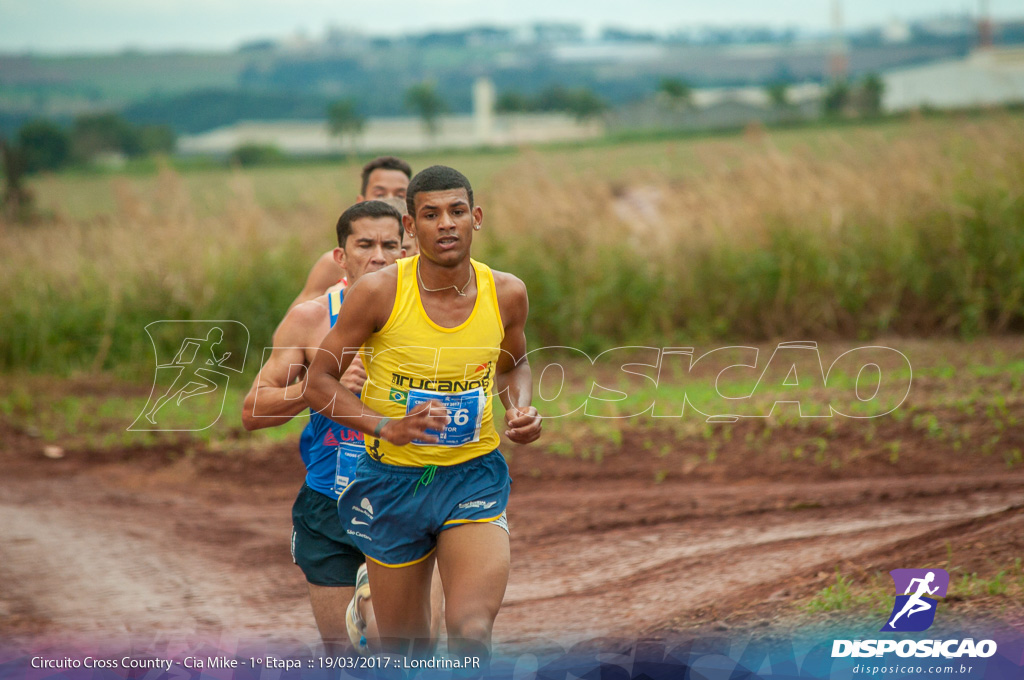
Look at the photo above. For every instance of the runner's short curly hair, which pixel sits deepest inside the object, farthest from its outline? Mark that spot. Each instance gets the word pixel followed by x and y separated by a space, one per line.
pixel 371 209
pixel 436 178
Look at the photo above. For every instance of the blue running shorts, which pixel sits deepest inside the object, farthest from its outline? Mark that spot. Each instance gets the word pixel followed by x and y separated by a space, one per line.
pixel 394 513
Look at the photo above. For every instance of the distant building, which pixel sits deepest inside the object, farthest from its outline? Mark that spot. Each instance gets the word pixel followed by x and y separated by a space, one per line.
pixel 483 110
pixel 718 109
pixel 608 52
pixel 556 33
pixel 984 78
pixel 481 129
pixel 896 31
pixel 339 39
pixel 946 26
pixel 392 134
pixel 797 94
pixel 297 41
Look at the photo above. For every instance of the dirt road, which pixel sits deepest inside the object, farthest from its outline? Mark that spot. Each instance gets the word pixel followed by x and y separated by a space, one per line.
pixel 147 541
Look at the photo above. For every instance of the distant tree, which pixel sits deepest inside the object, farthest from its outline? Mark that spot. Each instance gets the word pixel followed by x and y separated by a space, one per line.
pixel 778 94
pixel 44 144
pixel 344 119
pixel 94 134
pixel 677 90
pixel 553 98
pixel 428 105
pixel 513 102
pixel 581 102
pixel 871 90
pixel 16 199
pixel 584 103
pixel 248 155
pixel 156 139
pixel 837 98
pixel 202 110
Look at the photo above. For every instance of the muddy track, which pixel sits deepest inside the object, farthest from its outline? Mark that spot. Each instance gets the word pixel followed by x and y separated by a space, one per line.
pixel 620 579
pixel 105 550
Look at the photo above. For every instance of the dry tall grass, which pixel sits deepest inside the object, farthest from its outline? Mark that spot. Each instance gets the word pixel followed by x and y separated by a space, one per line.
pixel 861 235
pixel 850 234
pixel 80 292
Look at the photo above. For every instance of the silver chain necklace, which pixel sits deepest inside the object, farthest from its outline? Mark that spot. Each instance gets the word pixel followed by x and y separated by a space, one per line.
pixel 438 290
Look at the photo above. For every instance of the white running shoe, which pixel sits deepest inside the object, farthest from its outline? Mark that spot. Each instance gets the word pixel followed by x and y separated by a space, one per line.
pixel 353 620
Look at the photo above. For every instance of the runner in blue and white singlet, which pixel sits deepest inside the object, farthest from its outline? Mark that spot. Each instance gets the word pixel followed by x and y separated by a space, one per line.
pixel 329 450
pixel 370 238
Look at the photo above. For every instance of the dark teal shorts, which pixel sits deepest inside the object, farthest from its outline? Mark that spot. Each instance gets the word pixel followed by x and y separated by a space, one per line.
pixel 394 513
pixel 320 545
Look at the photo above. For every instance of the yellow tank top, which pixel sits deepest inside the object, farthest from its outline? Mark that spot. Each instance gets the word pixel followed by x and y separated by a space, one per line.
pixel 412 359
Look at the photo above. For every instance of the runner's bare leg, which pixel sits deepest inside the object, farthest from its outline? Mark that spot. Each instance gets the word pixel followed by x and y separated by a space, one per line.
pixel 329 604
pixel 474 562
pixel 401 603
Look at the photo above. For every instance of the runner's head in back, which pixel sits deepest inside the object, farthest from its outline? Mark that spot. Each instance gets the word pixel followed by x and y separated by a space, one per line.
pixel 384 177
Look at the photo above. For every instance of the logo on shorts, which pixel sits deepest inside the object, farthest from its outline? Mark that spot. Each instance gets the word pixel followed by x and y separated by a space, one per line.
pixel 477 504
pixel 364 507
pixel 356 521
pixel 330 439
pixel 915 611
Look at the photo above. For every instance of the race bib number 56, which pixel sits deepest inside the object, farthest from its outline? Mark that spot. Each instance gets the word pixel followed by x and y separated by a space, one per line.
pixel 465 410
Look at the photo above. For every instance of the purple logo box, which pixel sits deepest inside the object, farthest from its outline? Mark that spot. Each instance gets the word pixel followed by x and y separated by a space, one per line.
pixel 902 578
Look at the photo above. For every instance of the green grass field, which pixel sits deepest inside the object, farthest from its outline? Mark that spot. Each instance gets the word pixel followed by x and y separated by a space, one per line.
pixel 905 227
pixel 946 399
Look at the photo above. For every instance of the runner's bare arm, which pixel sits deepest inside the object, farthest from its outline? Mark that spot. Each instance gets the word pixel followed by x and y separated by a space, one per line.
pixel 324 274
pixel 275 397
pixel 513 377
pixel 367 307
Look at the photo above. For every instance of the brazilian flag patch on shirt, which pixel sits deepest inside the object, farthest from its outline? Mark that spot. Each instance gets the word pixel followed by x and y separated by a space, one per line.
pixel 398 396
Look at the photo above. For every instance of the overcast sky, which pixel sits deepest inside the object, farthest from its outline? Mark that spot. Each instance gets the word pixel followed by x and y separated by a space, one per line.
pixel 109 25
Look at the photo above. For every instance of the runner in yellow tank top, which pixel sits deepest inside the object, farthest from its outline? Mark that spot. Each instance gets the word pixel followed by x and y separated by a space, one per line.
pixel 413 358
pixel 433 487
